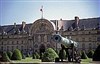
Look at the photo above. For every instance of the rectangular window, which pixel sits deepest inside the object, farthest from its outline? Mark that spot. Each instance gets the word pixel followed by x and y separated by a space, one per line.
pixel 7 48
pixel 2 43
pixel 22 42
pixel 17 42
pixel 98 38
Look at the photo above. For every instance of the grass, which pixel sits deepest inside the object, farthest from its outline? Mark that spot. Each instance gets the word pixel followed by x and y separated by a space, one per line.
pixel 86 61
pixel 38 61
pixel 27 60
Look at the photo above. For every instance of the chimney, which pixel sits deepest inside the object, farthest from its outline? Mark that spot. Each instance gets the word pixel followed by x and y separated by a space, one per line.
pixel 76 20
pixel 14 25
pixel 23 24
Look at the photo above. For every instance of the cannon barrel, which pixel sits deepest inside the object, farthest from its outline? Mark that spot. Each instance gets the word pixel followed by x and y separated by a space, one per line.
pixel 59 39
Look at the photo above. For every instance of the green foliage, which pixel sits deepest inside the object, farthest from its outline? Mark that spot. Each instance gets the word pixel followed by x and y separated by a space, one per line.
pixel 36 56
pixel 28 55
pixel 16 55
pixel 96 55
pixel 84 56
pixel 62 54
pixel 49 55
pixel 9 53
pixel 5 57
pixel 90 53
pixel 23 56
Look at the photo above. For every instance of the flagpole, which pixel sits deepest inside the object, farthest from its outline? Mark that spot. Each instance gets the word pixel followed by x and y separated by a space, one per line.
pixel 41 12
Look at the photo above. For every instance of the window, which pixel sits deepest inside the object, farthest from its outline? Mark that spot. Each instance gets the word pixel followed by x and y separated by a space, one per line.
pixel 70 33
pixel 2 43
pixel 22 42
pixel 48 38
pixel 12 48
pixel 98 38
pixel 83 39
pixel 42 38
pixel 89 32
pixel 89 39
pixel 48 45
pixel 2 48
pixel 8 42
pixel 17 47
pixel 83 33
pixel 17 42
pixel 83 46
pixel 90 46
pixel 22 48
pixel 36 46
pixel 77 39
pixel 7 48
pixel 12 42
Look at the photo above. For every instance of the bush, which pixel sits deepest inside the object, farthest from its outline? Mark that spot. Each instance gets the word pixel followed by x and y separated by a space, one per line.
pixel 62 54
pixel 28 55
pixel 23 56
pixel 56 59
pixel 16 55
pixel 49 55
pixel 37 55
pixel 90 53
pixel 34 56
pixel 5 57
pixel 9 53
pixel 96 55
pixel 83 56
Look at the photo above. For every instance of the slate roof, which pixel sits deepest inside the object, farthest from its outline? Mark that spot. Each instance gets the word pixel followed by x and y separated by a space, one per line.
pixel 89 23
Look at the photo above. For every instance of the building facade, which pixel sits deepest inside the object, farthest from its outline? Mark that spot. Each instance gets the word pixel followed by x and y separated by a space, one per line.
pixel 37 36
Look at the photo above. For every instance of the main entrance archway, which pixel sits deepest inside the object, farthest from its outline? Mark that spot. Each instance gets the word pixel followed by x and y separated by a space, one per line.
pixel 41 32
pixel 42 49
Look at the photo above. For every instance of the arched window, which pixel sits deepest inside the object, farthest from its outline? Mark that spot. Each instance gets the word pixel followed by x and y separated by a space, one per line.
pixel 36 46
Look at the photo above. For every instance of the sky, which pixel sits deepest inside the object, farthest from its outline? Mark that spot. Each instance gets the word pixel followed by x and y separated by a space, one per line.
pixel 16 11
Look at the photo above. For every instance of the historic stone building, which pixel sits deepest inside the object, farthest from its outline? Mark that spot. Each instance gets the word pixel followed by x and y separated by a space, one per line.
pixel 37 36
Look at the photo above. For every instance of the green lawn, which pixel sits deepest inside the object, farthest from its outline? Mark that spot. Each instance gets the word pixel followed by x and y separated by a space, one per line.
pixel 27 60
pixel 86 61
pixel 30 60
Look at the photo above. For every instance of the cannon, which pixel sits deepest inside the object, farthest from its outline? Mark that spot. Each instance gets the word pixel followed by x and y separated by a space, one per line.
pixel 72 45
pixel 68 42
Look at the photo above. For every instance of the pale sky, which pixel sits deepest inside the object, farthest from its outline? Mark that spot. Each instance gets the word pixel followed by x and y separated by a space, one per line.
pixel 29 10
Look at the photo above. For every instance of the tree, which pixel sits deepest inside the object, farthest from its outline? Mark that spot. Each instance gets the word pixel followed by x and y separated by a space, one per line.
pixel 37 55
pixel 23 56
pixel 83 56
pixel 5 57
pixel 16 55
pixel 28 55
pixel 96 55
pixel 90 53
pixel 9 53
pixel 62 54
pixel 34 56
pixel 49 55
